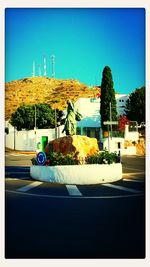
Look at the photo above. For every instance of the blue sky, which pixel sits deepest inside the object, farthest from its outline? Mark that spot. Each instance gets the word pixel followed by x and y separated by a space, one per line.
pixel 83 41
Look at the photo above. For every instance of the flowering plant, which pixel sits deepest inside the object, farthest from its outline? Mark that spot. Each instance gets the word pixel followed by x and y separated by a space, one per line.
pixel 57 158
pixel 103 158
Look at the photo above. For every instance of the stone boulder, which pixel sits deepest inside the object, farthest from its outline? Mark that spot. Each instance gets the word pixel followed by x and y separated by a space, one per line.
pixel 80 145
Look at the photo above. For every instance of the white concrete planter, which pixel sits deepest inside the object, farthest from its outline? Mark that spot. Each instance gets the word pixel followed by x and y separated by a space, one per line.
pixel 78 174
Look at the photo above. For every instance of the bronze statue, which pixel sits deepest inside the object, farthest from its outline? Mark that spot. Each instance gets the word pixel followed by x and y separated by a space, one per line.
pixel 72 116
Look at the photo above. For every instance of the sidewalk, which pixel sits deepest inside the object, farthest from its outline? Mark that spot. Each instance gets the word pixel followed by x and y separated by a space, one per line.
pixel 9 150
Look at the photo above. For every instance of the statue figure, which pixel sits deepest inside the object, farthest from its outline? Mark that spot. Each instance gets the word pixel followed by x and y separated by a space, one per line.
pixel 70 121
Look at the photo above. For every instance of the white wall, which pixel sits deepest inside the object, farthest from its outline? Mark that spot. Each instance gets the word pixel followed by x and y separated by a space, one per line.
pixel 90 110
pixel 111 144
pixel 121 100
pixel 131 136
pixel 27 140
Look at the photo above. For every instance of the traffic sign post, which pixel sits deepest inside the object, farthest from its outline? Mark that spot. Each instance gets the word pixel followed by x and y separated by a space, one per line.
pixel 110 123
pixel 41 158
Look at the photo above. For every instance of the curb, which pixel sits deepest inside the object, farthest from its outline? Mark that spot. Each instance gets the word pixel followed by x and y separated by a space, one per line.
pixel 20 152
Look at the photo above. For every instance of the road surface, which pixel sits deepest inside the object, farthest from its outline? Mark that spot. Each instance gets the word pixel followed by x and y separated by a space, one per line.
pixel 44 220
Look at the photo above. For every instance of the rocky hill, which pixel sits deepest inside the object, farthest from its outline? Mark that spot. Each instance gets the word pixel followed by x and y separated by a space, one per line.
pixel 43 90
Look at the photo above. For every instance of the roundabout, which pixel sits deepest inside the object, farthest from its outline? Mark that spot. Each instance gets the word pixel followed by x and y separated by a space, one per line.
pixel 78 174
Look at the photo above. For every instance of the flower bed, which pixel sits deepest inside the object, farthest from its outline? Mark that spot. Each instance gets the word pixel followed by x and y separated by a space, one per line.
pixel 78 174
pixel 99 168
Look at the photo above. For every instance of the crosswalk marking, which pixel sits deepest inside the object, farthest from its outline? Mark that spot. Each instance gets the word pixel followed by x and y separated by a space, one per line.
pixel 136 169
pixel 132 173
pixel 30 186
pixel 122 188
pixel 73 190
pixel 133 180
pixel 10 179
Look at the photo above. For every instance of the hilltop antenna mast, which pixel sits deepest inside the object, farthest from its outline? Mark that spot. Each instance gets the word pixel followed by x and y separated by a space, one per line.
pixel 45 66
pixel 39 66
pixel 53 66
pixel 33 69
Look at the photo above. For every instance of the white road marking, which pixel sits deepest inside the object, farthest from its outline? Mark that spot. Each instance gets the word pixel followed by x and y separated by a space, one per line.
pixel 71 197
pixel 28 187
pixel 10 179
pixel 133 180
pixel 132 173
pixel 73 190
pixel 15 178
pixel 122 188
pixel 132 169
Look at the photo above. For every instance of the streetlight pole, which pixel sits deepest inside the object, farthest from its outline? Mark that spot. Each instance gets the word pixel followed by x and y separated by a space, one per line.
pixel 108 139
pixel 110 120
pixel 35 126
pixel 14 137
pixel 55 124
pixel 35 118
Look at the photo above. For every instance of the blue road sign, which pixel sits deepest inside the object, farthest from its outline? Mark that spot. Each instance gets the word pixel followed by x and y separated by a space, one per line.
pixel 41 158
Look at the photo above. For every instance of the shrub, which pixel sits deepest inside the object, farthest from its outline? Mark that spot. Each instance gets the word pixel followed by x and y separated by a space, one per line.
pixel 117 134
pixel 34 162
pixel 57 158
pixel 102 158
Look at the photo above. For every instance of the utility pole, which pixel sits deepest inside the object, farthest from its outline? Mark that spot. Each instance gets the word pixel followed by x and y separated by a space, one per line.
pixel 35 118
pixel 55 123
pixel 110 120
pixel 14 137
pixel 53 66
pixel 108 138
pixel 35 126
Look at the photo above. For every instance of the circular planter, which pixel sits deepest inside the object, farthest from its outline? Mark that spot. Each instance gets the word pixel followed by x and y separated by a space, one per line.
pixel 78 174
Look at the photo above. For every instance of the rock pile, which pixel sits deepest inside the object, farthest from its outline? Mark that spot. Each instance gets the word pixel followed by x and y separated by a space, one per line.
pixel 80 145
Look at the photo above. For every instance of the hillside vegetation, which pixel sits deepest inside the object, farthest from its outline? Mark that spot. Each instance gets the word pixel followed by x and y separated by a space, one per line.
pixel 43 90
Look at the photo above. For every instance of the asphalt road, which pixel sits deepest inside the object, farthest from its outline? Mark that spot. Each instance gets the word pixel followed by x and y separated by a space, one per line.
pixel 45 221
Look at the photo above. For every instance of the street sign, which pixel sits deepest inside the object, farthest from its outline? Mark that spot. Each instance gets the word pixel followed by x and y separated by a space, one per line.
pixel 41 158
pixel 110 122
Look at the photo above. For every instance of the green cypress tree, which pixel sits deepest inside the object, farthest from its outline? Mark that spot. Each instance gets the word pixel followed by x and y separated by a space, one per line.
pixel 107 97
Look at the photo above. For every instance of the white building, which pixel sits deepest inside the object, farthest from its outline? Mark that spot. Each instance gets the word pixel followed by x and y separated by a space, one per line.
pixel 121 100
pixel 90 110
pixel 90 125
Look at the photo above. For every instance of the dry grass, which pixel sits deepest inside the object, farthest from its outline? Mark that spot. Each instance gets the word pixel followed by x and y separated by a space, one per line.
pixel 43 90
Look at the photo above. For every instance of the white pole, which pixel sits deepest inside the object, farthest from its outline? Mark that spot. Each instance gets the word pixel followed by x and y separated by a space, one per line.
pixel 35 117
pixel 55 124
pixel 35 126
pixel 110 120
